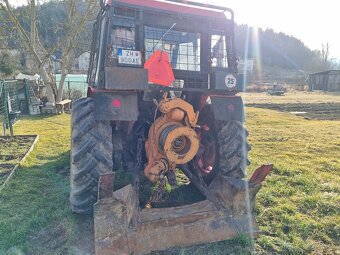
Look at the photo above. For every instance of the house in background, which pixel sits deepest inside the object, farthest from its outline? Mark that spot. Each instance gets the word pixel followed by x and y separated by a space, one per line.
pixel 326 81
pixel 84 61
pixel 56 63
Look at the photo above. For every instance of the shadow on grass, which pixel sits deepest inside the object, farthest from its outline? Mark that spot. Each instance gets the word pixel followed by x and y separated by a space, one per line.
pixel 35 215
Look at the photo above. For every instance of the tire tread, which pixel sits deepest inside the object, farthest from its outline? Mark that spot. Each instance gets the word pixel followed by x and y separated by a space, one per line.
pixel 91 155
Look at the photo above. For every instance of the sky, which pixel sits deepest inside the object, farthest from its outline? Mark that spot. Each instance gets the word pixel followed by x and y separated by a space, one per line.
pixel 314 22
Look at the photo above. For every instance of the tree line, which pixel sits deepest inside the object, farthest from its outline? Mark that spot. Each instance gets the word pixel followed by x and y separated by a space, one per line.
pixel 280 50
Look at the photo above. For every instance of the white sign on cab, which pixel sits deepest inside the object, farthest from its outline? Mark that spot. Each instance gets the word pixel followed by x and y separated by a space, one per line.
pixel 129 57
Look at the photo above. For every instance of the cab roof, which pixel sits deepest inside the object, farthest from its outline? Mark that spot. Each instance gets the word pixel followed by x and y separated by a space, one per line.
pixel 187 7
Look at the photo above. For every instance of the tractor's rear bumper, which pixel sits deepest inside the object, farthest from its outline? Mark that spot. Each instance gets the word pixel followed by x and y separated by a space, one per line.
pixel 159 229
pixel 122 229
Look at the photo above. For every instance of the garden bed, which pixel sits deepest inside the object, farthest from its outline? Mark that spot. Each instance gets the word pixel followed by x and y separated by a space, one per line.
pixel 13 151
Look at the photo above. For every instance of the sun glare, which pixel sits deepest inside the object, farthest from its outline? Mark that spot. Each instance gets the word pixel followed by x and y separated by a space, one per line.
pixel 257 51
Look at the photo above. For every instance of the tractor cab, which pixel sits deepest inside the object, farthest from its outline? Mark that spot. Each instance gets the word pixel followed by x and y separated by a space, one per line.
pixel 198 39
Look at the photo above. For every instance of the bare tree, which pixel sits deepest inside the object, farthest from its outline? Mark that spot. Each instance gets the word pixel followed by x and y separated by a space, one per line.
pixel 40 55
pixel 325 54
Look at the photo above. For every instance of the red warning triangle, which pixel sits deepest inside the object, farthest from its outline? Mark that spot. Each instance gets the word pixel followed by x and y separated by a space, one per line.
pixel 159 69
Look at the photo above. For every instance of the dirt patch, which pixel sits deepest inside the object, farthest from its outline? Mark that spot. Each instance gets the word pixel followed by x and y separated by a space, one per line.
pixel 12 150
pixel 5 170
pixel 50 239
pixel 318 111
pixel 84 243
pixel 58 239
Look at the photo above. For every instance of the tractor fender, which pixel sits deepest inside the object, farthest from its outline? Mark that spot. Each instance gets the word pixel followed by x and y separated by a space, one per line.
pixel 114 105
pixel 228 108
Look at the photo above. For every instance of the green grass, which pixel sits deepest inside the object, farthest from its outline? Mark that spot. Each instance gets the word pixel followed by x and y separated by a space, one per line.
pixel 297 209
pixel 310 105
pixel 298 206
pixel 301 97
pixel 36 199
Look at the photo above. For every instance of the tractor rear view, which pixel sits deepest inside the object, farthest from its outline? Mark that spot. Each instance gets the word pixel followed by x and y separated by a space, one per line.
pixel 162 99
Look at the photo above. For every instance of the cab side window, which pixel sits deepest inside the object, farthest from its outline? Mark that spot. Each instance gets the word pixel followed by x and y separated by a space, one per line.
pixel 219 51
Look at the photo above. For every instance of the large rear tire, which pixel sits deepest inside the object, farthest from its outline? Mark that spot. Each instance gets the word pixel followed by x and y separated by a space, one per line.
pixel 231 145
pixel 91 155
pixel 232 148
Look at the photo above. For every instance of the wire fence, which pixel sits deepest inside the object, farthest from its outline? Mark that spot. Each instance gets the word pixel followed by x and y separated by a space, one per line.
pixel 19 97
pixel 13 98
pixel 75 86
pixel 74 90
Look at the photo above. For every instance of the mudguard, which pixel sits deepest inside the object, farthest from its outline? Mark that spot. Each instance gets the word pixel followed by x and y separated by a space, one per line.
pixel 223 80
pixel 228 108
pixel 116 105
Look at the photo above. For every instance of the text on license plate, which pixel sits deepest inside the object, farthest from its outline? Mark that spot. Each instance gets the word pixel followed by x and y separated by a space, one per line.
pixel 129 57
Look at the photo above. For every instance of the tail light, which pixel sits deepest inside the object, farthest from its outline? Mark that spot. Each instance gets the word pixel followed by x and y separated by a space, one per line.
pixel 116 103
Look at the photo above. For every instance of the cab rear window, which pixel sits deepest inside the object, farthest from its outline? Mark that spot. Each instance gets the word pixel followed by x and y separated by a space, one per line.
pixel 183 48
pixel 121 38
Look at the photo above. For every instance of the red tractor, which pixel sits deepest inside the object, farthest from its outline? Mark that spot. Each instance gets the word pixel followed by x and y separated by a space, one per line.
pixel 162 99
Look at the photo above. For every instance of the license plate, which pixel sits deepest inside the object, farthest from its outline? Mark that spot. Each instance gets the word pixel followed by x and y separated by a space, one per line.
pixel 129 57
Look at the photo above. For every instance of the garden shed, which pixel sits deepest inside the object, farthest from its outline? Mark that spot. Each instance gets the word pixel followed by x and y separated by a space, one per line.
pixel 326 81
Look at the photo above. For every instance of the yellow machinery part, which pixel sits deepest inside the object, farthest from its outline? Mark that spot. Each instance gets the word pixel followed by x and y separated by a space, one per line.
pixel 180 144
pixel 172 139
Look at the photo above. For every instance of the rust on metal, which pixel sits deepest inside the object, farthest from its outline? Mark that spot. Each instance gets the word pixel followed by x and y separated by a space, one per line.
pixel 261 173
pixel 105 187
